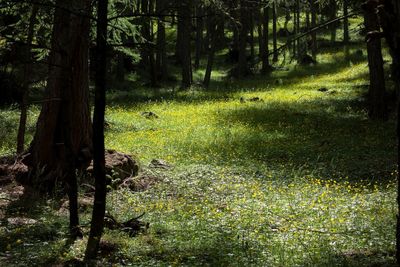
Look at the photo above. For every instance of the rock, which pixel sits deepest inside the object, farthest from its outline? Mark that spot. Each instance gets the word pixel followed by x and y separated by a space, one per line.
pixel 119 165
pixel 84 204
pixel 160 164
pixel 139 183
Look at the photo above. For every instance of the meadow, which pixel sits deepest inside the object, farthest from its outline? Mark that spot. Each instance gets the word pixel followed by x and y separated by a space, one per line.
pixel 300 177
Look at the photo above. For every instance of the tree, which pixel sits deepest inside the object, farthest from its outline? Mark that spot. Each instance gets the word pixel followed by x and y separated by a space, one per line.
pixel 184 40
pixel 199 33
pixel 27 79
pixel 62 142
pixel 314 33
pixel 263 35
pixel 377 92
pixel 99 206
pixel 242 68
pixel 274 32
pixel 212 29
pixel 346 36
pixel 161 53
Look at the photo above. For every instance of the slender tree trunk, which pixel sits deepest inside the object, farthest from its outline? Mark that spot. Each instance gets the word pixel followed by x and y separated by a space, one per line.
pixel 332 15
pixel 211 53
pixel 377 94
pixel 26 83
pixel 263 33
pixel 298 51
pixel 99 206
pixel 242 68
pixel 161 57
pixel 346 36
pixel 184 27
pixel 314 33
pixel 251 35
pixel 274 33
pixel 199 36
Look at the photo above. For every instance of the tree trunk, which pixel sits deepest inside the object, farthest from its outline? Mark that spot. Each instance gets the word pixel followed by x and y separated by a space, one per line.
pixel 64 121
pixel 63 128
pixel 389 15
pixel 314 33
pixel 184 28
pixel 251 35
pixel 199 36
pixel 376 93
pixel 332 15
pixel 346 36
pixel 211 53
pixel 242 68
pixel 263 33
pixel 99 206
pixel 26 83
pixel 161 58
pixel 274 33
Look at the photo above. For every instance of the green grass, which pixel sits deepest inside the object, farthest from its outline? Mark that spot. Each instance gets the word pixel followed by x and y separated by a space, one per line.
pixel 302 178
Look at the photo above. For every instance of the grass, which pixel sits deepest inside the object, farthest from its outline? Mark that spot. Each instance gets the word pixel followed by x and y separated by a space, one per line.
pixel 301 178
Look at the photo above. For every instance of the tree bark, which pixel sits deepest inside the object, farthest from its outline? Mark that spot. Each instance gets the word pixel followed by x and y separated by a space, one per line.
pixel 377 92
pixel 389 16
pixel 346 36
pixel 242 68
pixel 274 33
pixel 63 128
pixel 314 33
pixel 184 28
pixel 64 124
pixel 211 53
pixel 263 33
pixel 27 79
pixel 161 57
pixel 199 35
pixel 99 206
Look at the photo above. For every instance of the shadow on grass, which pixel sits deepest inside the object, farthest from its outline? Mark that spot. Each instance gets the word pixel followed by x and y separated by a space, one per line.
pixel 332 139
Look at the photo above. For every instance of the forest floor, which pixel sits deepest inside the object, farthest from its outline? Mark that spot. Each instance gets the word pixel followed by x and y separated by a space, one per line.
pixel 284 170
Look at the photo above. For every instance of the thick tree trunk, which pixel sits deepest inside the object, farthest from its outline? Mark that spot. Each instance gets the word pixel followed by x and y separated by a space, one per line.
pixel 26 83
pixel 64 124
pixel 99 206
pixel 376 93
pixel 64 128
pixel 389 15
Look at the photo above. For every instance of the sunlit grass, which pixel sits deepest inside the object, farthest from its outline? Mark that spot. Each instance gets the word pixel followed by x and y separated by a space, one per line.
pixel 300 178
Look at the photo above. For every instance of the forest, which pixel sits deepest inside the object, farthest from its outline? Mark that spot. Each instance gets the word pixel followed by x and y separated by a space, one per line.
pixel 199 133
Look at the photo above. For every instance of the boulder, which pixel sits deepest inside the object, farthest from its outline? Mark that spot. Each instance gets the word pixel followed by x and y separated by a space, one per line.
pixel 118 165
